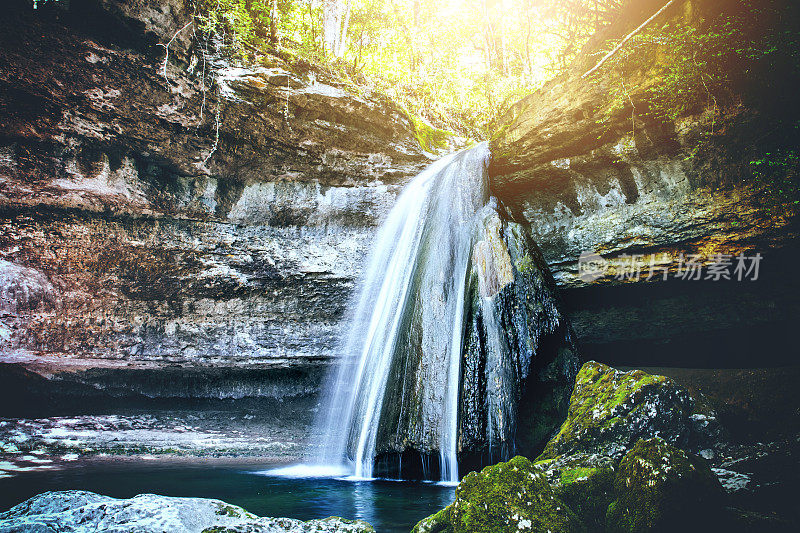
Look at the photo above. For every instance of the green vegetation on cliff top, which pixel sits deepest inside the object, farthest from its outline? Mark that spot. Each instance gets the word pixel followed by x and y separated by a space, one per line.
pixel 456 64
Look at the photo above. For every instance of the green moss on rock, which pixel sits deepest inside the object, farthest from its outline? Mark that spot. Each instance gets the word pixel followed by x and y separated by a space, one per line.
pixel 436 523
pixel 610 410
pixel 508 497
pixel 430 139
pixel 588 494
pixel 584 482
pixel 229 510
pixel 661 488
pixel 576 474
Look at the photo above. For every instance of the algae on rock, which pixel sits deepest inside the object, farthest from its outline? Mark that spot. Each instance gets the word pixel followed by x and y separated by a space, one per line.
pixel 661 488
pixel 610 410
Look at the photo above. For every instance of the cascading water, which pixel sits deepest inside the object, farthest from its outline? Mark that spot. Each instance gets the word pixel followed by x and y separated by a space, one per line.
pixel 411 299
pixel 446 330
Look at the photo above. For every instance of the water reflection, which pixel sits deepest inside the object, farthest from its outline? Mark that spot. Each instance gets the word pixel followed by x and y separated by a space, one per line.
pixel 390 506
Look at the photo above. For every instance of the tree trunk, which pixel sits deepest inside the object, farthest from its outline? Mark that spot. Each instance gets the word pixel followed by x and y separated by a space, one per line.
pixel 273 23
pixel 335 19
pixel 493 36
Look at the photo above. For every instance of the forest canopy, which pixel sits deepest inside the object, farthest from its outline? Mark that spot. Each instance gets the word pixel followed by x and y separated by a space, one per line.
pixel 454 63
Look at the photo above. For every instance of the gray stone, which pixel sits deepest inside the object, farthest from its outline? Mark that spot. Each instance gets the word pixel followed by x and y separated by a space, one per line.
pixel 79 511
pixel 209 215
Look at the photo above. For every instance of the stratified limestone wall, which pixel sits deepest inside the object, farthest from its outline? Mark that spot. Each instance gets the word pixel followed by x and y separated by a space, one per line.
pixel 185 220
pixel 597 169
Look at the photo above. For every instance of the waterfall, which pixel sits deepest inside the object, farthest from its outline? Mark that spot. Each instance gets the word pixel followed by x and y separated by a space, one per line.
pixel 445 327
pixel 412 293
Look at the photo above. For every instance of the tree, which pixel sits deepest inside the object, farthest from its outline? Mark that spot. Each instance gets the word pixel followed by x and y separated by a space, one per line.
pixel 335 22
pixel 454 63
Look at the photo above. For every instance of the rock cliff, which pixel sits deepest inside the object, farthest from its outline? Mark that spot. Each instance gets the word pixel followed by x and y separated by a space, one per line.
pixel 683 144
pixel 188 211
pixel 201 214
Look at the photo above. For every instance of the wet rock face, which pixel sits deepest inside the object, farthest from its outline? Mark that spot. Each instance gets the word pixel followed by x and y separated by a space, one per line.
pixel 69 510
pixel 518 360
pixel 209 214
pixel 526 372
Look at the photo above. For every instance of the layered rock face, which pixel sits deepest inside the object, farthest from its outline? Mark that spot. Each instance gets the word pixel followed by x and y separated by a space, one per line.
pixel 188 212
pixel 644 165
pixel 520 359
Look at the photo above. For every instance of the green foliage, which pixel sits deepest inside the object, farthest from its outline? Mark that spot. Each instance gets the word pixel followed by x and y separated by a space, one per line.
pixel 247 27
pixel 455 64
pixel 777 173
pixel 430 138
pixel 692 67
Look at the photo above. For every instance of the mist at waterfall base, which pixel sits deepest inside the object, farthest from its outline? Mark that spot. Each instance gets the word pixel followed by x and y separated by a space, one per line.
pixel 391 406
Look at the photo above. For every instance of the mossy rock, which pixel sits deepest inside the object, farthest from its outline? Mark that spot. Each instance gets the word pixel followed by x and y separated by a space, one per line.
pixel 661 488
pixel 508 497
pixel 588 492
pixel 584 482
pixel 610 410
pixel 430 138
pixel 230 510
pixel 436 523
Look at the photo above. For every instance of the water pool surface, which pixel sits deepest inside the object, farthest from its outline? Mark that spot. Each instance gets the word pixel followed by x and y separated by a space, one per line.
pixel 390 506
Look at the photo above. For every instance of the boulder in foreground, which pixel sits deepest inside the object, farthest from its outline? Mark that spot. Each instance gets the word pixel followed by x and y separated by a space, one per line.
pixel 508 497
pixel 77 510
pixel 618 464
pixel 611 410
pixel 655 487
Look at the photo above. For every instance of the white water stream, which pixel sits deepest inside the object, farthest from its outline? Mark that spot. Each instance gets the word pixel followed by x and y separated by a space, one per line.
pixel 418 267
